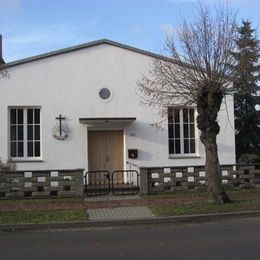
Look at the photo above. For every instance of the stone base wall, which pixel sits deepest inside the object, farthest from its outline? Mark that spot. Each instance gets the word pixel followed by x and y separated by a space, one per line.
pixel 172 179
pixel 55 183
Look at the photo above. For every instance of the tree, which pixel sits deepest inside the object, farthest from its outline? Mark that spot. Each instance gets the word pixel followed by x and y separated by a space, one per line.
pixel 199 72
pixel 3 72
pixel 247 56
pixel 7 166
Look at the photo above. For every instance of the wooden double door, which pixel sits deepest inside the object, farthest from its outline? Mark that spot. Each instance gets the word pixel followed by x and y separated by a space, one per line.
pixel 105 152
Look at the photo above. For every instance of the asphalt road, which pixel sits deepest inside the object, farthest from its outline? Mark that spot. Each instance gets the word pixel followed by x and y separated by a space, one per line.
pixel 237 239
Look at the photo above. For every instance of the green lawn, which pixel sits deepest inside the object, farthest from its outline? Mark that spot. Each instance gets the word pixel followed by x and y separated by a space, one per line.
pixel 242 200
pixel 42 216
pixel 17 211
pixel 31 201
pixel 204 207
pixel 190 194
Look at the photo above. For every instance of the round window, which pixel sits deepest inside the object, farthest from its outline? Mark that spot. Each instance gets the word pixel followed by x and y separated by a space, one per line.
pixel 104 93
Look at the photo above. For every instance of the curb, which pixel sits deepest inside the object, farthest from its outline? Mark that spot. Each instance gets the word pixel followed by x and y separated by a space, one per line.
pixel 131 222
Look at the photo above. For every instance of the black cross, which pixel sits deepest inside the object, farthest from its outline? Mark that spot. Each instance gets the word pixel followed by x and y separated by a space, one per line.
pixel 60 118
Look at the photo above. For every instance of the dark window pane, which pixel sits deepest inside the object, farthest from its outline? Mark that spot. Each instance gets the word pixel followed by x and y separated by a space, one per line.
pixel 177 131
pixel 177 146
pixel 30 132
pixel 37 149
pixel 170 131
pixel 191 111
pixel 186 130
pixel 37 132
pixel 37 116
pixel 176 115
pixel 20 149
pixel 13 133
pixel 20 116
pixel 170 115
pixel 192 146
pixel 20 132
pixel 30 149
pixel 192 130
pixel 186 146
pixel 13 149
pixel 13 116
pixel 104 93
pixel 185 115
pixel 30 116
pixel 171 146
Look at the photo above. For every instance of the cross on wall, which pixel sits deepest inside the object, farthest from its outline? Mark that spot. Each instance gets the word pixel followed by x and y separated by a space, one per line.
pixel 60 118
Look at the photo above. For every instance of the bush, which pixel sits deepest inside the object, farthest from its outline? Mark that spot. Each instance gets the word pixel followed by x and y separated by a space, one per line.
pixel 249 158
pixel 7 166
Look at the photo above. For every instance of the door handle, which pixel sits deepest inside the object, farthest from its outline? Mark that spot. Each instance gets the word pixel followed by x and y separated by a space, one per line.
pixel 107 158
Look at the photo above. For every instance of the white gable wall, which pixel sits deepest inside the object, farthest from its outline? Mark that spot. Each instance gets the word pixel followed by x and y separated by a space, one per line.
pixel 68 84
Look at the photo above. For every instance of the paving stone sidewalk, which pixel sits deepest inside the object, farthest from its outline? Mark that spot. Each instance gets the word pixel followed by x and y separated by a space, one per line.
pixel 119 213
pixel 116 207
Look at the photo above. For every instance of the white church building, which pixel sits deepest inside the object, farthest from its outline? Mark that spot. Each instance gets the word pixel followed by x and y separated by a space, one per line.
pixel 78 108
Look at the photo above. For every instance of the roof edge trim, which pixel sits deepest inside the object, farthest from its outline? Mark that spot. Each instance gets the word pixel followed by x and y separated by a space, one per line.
pixel 83 46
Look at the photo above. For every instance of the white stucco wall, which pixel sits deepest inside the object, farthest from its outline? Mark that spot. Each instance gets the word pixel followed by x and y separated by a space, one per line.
pixel 68 84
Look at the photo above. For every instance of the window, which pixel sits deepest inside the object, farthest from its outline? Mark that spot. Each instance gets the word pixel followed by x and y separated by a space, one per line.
pixel 181 131
pixel 104 93
pixel 25 136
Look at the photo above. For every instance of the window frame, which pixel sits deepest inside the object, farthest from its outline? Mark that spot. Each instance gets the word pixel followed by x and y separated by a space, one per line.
pixel 196 134
pixel 25 137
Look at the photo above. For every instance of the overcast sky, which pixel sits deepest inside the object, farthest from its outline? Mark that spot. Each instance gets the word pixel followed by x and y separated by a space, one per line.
pixel 31 27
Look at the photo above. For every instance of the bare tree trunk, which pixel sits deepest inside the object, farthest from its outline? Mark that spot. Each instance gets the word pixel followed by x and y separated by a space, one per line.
pixel 216 191
pixel 208 108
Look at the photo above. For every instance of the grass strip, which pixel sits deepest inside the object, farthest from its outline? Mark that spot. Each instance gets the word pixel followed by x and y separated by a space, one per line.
pixel 42 216
pixel 190 194
pixel 32 201
pixel 205 207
